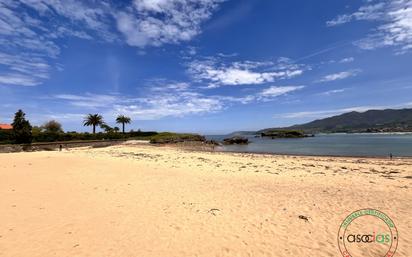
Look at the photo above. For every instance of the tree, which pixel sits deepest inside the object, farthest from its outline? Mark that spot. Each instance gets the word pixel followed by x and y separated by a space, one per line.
pixel 35 130
pixel 52 127
pixel 106 128
pixel 93 120
pixel 121 119
pixel 116 129
pixel 21 128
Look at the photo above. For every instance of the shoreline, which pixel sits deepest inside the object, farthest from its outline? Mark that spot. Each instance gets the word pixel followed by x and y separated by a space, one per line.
pixel 189 146
pixel 200 149
pixel 314 155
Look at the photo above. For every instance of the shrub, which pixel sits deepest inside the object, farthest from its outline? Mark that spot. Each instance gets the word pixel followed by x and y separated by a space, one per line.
pixel 6 136
pixel 167 137
pixel 141 134
pixel 52 127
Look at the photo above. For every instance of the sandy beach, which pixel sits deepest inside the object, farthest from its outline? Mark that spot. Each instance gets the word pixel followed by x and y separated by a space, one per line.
pixel 142 200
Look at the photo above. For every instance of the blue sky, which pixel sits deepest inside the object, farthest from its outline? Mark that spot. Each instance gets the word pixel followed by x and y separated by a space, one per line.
pixel 207 66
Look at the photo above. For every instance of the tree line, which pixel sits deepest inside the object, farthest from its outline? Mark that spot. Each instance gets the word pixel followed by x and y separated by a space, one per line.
pixel 23 132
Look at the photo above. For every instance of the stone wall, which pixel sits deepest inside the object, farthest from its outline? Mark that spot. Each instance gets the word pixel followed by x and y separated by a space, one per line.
pixel 54 146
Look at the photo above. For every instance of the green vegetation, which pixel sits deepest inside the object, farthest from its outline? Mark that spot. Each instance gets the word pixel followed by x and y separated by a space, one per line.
pixel 52 131
pixel 236 140
pixel 21 128
pixel 167 137
pixel 388 120
pixel 52 127
pixel 121 119
pixel 370 121
pixel 93 120
pixel 283 134
pixel 6 136
pixel 106 128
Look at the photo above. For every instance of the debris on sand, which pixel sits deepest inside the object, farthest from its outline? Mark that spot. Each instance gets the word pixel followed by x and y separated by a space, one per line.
pixel 213 211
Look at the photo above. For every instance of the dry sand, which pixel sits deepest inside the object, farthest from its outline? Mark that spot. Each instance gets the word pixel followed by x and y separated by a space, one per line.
pixel 140 200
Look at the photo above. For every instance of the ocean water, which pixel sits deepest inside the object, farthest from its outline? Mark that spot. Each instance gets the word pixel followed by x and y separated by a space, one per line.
pixel 329 144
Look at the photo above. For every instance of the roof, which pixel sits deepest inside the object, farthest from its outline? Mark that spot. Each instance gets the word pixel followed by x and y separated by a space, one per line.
pixel 5 126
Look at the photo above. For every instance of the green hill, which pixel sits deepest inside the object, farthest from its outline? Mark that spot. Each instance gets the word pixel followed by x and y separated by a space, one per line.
pixel 389 120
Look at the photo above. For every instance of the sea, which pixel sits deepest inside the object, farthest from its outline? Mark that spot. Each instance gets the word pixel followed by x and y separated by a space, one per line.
pixel 362 144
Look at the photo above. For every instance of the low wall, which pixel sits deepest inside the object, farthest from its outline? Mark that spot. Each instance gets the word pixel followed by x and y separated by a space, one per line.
pixel 54 146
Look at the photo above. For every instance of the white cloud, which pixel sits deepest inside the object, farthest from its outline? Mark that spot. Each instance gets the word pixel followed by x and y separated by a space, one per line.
pixel 176 86
pixel 275 91
pixel 35 28
pixel 394 29
pixel 165 99
pixel 162 98
pixel 146 108
pixel 335 91
pixel 29 30
pixel 79 15
pixel 23 69
pixel 156 22
pixel 170 105
pixel 347 60
pixel 367 12
pixel 177 102
pixel 217 72
pixel 92 101
pixel 339 75
pixel 17 80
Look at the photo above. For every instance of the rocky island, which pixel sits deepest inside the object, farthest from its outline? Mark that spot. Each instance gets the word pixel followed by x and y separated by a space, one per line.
pixel 284 134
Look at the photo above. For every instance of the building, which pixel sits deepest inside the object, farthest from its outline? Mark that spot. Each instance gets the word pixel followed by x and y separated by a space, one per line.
pixel 5 126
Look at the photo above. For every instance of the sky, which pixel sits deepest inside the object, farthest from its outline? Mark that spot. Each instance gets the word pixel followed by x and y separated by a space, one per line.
pixel 204 66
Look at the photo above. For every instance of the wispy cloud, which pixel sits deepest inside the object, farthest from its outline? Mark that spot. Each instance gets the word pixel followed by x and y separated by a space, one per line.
pixel 367 12
pixel 88 100
pixel 340 75
pixel 23 69
pixel 29 34
pixel 73 18
pixel 146 108
pixel 217 71
pixel 394 29
pixel 18 79
pixel 332 92
pixel 275 91
pixel 33 29
pixel 347 60
pixel 172 99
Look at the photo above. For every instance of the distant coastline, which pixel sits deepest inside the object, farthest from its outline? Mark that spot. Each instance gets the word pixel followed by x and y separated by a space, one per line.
pixel 329 144
pixel 372 121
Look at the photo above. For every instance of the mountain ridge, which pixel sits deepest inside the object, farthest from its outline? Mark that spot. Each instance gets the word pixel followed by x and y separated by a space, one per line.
pixel 387 120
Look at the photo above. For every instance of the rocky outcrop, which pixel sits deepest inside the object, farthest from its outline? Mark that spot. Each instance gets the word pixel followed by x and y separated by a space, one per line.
pixel 236 141
pixel 283 134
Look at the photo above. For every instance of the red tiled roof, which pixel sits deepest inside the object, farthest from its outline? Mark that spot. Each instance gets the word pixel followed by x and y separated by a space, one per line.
pixel 6 126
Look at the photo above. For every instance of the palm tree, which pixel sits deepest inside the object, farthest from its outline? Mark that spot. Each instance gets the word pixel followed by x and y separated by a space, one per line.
pixel 123 120
pixel 93 120
pixel 106 128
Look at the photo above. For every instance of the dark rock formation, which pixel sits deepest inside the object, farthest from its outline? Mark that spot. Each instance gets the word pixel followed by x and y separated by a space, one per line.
pixel 236 141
